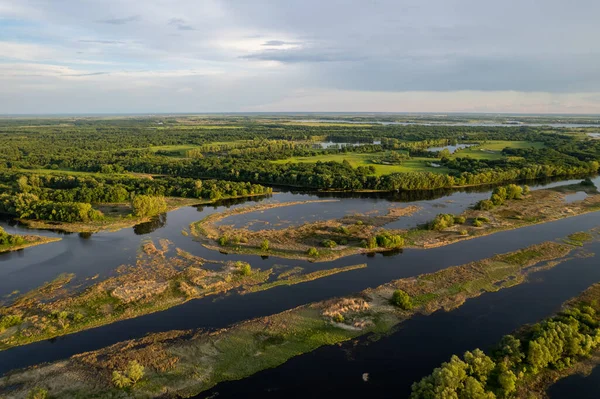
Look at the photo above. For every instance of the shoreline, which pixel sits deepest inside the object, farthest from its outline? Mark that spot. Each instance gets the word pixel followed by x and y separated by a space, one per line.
pixel 253 345
pixel 30 241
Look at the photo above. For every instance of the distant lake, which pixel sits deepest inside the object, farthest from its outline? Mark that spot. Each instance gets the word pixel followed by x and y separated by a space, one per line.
pixel 451 148
pixel 490 124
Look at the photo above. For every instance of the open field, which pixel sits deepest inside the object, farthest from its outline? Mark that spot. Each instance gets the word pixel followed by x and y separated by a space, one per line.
pixel 357 159
pixel 189 362
pixel 492 150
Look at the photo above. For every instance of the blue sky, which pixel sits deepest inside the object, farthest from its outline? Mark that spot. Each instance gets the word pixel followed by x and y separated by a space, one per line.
pixel 127 56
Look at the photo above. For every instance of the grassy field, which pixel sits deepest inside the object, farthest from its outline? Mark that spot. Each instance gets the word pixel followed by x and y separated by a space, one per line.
pixel 492 150
pixel 412 165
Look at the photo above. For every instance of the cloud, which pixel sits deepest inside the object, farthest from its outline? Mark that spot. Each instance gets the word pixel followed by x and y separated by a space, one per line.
pixel 180 24
pixel 120 21
pixel 278 43
pixel 102 41
pixel 262 53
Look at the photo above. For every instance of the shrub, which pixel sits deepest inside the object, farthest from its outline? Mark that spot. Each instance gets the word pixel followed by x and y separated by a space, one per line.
pixel 371 243
pixel 10 321
pixel 338 318
pixel 135 371
pixel 387 240
pixel 464 233
pixel 343 230
pixel 313 252
pixel 119 380
pixel 329 243
pixel 527 190
pixel 343 241
pixel 459 220
pixel 38 393
pixel 243 268
pixel 359 223
pixel 485 205
pixel 402 300
pixel 477 223
pixel 264 246
pixel 442 221
pixel 223 240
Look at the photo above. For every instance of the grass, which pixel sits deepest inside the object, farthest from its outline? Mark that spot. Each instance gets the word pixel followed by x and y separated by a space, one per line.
pixel 492 150
pixel 187 363
pixel 357 159
pixel 30 241
pixel 155 283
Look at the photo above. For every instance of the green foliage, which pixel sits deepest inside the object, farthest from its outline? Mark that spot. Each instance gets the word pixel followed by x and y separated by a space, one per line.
pixel 459 219
pixel 10 321
pixel 485 205
pixel 264 246
pixel 402 300
pixel 223 240
pixel 338 318
pixel 132 374
pixel 10 239
pixel 312 252
pixel 442 221
pixel 329 243
pixel 145 205
pixel 38 393
pixel 388 240
pixel 243 268
pixel 551 344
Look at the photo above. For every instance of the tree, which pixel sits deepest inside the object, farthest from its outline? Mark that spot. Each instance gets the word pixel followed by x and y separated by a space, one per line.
pixel 264 246
pixel 402 300
pixel 145 205
pixel 119 380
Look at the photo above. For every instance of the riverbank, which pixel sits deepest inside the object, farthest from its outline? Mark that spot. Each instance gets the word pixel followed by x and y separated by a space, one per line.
pixel 359 233
pixel 525 364
pixel 156 282
pixel 119 216
pixel 185 363
pixel 28 241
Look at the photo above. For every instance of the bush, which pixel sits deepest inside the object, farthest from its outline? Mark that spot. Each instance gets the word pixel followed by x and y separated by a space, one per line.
pixel 10 321
pixel 464 233
pixel 329 243
pixel 130 376
pixel 459 220
pixel 359 223
pixel 243 268
pixel 313 252
pixel 38 393
pixel 477 223
pixel 370 243
pixel 527 190
pixel 338 318
pixel 223 240
pixel 264 246
pixel 343 230
pixel 387 240
pixel 485 205
pixel 442 221
pixel 402 300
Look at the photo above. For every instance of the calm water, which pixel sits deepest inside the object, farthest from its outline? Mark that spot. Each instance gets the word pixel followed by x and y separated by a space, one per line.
pixel 451 148
pixel 479 323
pixel 395 361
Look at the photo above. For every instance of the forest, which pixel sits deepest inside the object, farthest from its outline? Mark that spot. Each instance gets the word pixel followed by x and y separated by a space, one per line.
pixel 59 169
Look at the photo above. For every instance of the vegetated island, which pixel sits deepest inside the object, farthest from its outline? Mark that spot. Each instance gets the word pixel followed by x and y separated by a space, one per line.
pixel 91 202
pixel 156 282
pixel 509 207
pixel 184 363
pixel 16 242
pixel 526 363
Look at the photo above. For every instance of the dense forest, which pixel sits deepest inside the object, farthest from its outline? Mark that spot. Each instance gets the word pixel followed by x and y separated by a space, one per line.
pixel 56 169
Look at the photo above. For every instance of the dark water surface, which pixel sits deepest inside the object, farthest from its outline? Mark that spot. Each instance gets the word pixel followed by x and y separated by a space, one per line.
pixel 498 313
pixel 395 361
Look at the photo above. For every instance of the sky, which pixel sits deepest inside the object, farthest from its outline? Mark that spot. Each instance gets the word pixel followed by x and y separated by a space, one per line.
pixel 140 56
